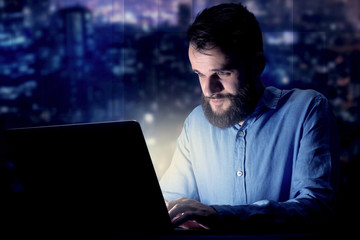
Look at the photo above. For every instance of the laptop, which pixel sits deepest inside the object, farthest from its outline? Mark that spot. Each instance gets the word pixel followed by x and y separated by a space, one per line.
pixel 87 179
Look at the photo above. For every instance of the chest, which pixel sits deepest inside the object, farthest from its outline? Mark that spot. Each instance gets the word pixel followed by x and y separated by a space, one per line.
pixel 240 166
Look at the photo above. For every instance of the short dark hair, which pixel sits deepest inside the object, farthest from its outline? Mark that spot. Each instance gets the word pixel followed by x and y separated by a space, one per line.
pixel 231 27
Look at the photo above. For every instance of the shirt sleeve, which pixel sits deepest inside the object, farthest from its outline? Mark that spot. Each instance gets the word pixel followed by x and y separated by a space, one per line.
pixel 179 180
pixel 314 179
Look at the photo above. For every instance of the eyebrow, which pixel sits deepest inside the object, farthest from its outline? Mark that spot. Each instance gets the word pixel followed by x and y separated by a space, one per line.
pixel 215 70
pixel 226 67
pixel 221 69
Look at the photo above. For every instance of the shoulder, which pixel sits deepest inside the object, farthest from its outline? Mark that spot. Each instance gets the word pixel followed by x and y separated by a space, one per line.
pixel 302 105
pixel 302 97
pixel 275 98
pixel 302 94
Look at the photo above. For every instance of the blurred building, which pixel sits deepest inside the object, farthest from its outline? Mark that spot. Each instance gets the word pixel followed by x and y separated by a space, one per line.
pixel 17 60
pixel 75 34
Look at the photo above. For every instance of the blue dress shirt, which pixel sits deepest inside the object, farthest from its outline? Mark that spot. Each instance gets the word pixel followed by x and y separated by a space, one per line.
pixel 279 166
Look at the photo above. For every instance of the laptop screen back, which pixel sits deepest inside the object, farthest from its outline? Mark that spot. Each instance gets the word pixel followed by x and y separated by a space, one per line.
pixel 88 178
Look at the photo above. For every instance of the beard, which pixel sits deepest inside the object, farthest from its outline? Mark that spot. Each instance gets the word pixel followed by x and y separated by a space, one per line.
pixel 242 104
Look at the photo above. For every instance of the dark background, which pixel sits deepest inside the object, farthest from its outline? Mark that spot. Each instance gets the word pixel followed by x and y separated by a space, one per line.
pixel 71 61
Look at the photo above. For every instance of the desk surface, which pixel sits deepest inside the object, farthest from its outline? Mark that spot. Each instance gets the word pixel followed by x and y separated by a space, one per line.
pixel 329 235
pixel 346 233
pixel 344 228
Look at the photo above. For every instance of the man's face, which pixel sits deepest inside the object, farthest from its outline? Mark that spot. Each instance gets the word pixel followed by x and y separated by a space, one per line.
pixel 229 95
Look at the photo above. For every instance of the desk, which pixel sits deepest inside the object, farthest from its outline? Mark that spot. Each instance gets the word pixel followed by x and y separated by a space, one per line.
pixel 304 236
pixel 331 232
pixel 348 233
pixel 12 226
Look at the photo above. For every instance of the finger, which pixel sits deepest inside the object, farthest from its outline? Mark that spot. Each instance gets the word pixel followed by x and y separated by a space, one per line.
pixel 192 224
pixel 175 211
pixel 181 218
pixel 179 209
pixel 203 226
pixel 171 204
pixel 176 217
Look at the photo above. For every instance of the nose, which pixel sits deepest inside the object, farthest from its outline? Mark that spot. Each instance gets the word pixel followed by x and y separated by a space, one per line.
pixel 211 85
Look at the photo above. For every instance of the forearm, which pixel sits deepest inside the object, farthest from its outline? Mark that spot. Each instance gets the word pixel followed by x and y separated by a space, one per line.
pixel 294 212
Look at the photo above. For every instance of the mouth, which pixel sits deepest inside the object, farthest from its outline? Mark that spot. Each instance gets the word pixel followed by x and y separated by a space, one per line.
pixel 217 101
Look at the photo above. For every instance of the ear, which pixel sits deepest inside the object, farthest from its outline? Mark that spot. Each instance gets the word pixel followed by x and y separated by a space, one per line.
pixel 258 64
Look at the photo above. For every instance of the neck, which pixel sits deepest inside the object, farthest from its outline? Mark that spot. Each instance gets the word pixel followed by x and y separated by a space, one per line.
pixel 260 88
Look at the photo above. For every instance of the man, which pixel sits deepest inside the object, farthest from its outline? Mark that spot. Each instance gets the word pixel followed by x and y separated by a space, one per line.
pixel 248 153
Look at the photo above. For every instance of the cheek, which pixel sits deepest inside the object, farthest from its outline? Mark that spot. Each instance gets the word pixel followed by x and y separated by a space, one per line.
pixel 231 86
pixel 202 86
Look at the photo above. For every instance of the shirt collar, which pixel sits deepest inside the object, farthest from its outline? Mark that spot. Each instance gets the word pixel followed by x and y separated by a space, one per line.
pixel 271 97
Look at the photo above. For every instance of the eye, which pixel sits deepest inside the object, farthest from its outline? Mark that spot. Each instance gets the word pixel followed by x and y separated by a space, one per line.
pixel 199 74
pixel 223 73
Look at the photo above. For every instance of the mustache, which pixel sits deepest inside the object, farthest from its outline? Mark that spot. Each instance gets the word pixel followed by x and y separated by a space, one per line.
pixel 220 96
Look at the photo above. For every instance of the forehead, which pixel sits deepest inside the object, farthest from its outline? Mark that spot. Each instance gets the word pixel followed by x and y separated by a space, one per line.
pixel 213 57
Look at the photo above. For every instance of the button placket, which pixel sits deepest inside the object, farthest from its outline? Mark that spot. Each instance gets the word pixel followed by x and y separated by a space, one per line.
pixel 240 165
pixel 241 133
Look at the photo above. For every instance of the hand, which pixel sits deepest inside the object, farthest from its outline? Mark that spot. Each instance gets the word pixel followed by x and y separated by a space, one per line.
pixel 191 214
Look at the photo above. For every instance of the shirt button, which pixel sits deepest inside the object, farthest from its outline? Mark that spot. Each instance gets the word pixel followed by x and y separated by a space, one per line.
pixel 239 173
pixel 241 134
